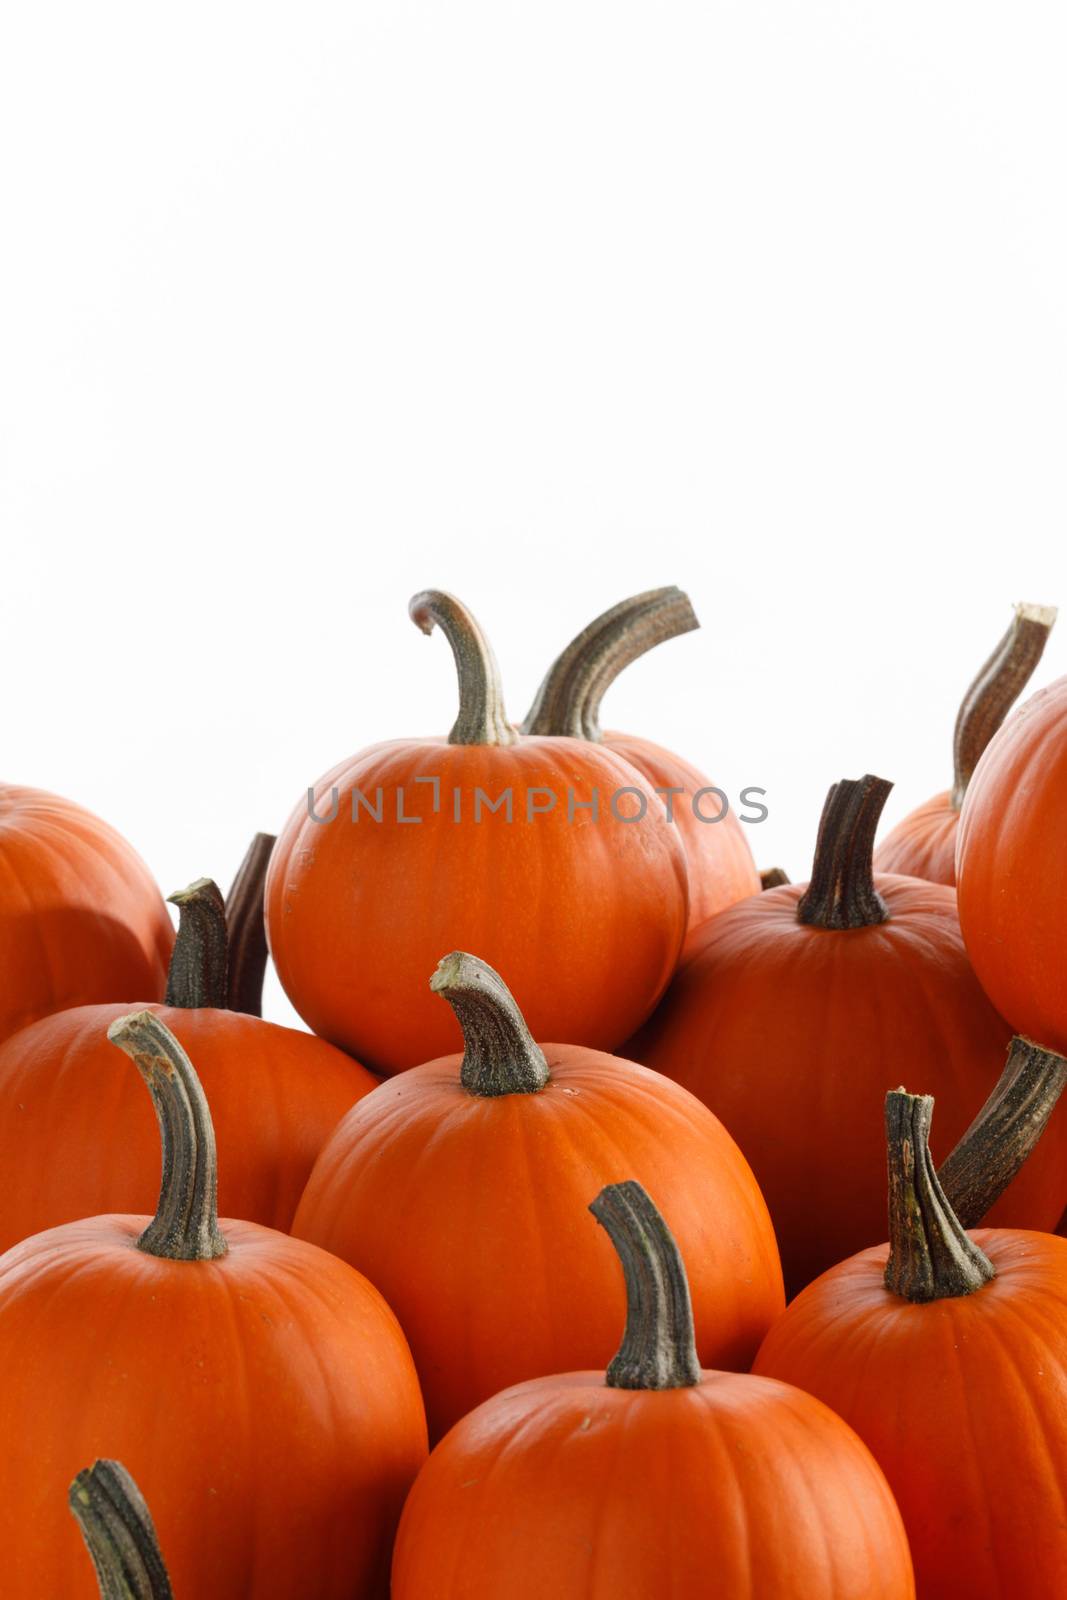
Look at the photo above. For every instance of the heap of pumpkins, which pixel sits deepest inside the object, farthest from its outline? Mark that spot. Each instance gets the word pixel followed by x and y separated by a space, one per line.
pixel 478 1291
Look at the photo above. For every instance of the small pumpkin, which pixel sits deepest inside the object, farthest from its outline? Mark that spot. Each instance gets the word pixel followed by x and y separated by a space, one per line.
pixel 947 1353
pixel 661 1479
pixel 799 1006
pixel 1012 868
pixel 77 1136
pixel 719 862
pixel 216 1360
pixel 119 1534
pixel 81 919
pixel 923 845
pixel 452 1186
pixel 574 884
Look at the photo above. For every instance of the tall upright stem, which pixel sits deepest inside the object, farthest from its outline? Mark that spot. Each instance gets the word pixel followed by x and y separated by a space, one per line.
pixel 841 893
pixel 1000 1139
pixel 995 690
pixel 658 1349
pixel 568 701
pixel 119 1534
pixel 198 963
pixel 499 1054
pixel 482 718
pixel 930 1256
pixel 186 1224
pixel 247 930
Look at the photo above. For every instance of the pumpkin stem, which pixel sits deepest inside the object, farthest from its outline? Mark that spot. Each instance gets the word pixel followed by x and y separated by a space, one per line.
pixel 482 718
pixel 119 1534
pixel 841 893
pixel 658 1349
pixel 1005 1131
pixel 568 701
pixel 247 930
pixel 930 1256
pixel 996 689
pixel 186 1224
pixel 499 1054
pixel 197 975
pixel 773 877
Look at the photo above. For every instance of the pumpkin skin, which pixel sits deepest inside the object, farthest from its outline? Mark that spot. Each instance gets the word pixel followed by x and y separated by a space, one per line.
pixel 78 1136
pixel 586 918
pixel 1012 868
pixel 923 845
pixel 81 919
pixel 644 1480
pixel 265 1403
pixel 768 1010
pixel 259 1391
pixel 445 1199
pixel 963 1403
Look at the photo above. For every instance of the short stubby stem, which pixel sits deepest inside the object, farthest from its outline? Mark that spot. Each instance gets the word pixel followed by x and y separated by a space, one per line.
pixel 198 964
pixel 841 893
pixel 930 1255
pixel 499 1054
pixel 658 1349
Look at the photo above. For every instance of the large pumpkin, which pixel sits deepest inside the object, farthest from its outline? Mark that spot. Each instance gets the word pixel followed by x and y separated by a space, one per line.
pixel 1012 868
pixel 453 1188
pixel 719 862
pixel 574 884
pixel 801 1006
pixel 80 918
pixel 77 1135
pixel 923 845
pixel 662 1480
pixel 947 1353
pixel 259 1390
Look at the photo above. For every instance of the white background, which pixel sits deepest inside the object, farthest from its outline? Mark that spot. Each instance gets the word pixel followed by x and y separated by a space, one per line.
pixel 306 307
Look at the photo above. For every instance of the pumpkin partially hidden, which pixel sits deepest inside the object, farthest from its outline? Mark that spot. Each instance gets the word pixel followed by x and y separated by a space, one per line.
pixel 81 919
pixel 259 1391
pixel 658 1479
pixel 77 1135
pixel 947 1353
pixel 515 847
pixel 1012 867
pixel 719 864
pixel 802 1005
pixel 454 1188
pixel 923 845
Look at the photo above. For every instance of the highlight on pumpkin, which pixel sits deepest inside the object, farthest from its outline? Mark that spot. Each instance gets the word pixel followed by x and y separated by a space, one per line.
pixel 119 1534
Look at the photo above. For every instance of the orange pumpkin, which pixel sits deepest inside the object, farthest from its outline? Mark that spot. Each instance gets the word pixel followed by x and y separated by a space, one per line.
pixel 1012 867
pixel 661 1480
pixel 277 1094
pixel 801 1005
pixel 452 1187
pixel 259 1390
pixel 947 1353
pixel 119 1534
pixel 575 884
pixel 719 862
pixel 924 844
pixel 80 918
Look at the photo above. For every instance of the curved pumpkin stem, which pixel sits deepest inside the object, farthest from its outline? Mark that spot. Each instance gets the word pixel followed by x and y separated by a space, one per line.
pixel 119 1534
pixel 246 929
pixel 499 1054
pixel 996 689
pixel 482 718
pixel 197 974
pixel 841 893
pixel 186 1224
pixel 999 1140
pixel 930 1256
pixel 568 701
pixel 773 877
pixel 658 1349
